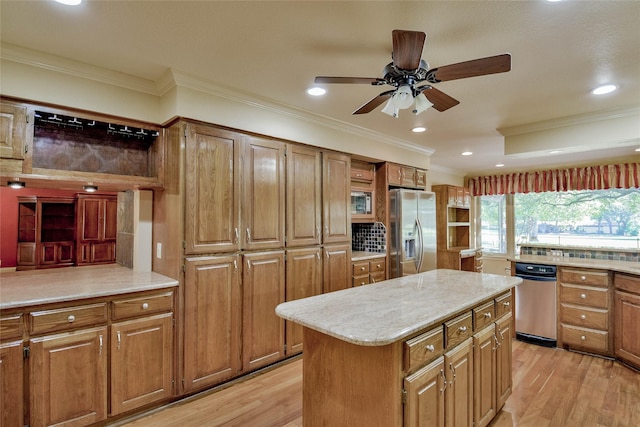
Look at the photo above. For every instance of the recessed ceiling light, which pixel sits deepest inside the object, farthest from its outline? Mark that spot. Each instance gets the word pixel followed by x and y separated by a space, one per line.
pixel 499 165
pixel 316 91
pixel 418 129
pixel 637 149
pixel 467 153
pixel 604 89
pixel 70 2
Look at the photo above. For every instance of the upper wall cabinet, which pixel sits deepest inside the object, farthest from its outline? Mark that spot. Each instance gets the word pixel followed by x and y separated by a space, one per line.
pixel 235 191
pixel 406 176
pixel 72 146
pixel 336 194
pixel 304 195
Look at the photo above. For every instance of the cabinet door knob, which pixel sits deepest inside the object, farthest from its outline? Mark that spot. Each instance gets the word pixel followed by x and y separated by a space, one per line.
pixel 583 316
pixel 145 305
pixel 430 348
pixel 462 329
pixel 506 303
pixel 71 318
pixel 583 296
pixel 583 338
pixel 487 315
pixel 362 268
pixel 583 278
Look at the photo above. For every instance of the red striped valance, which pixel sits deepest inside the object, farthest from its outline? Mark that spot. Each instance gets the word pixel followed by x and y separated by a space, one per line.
pixel 584 178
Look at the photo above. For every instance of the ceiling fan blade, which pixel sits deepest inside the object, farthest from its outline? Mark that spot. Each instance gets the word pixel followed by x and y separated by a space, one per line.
pixel 375 102
pixel 407 48
pixel 356 80
pixel 473 68
pixel 440 100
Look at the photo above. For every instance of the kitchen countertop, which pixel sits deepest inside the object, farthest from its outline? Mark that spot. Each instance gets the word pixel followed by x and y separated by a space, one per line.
pixel 29 288
pixel 388 311
pixel 361 255
pixel 604 264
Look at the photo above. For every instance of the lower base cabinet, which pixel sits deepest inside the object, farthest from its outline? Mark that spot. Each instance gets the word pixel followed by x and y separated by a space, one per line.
pixel 68 378
pixel 458 394
pixel 425 404
pixel 627 318
pixel 11 379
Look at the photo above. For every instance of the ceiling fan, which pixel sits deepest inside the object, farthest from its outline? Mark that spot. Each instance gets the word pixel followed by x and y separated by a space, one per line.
pixel 408 70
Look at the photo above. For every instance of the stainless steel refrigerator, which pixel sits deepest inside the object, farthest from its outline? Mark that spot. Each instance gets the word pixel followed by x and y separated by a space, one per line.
pixel 412 246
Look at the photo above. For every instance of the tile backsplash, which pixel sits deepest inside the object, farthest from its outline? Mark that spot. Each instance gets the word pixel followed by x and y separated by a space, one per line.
pixel 585 253
pixel 369 237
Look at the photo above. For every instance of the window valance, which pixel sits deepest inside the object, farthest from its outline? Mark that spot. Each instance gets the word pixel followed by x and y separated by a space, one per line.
pixel 625 175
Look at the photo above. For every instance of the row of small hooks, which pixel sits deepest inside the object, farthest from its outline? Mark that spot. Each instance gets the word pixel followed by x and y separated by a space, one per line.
pixel 74 122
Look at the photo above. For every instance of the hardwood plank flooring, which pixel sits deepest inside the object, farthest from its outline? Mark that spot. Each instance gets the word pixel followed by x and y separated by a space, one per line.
pixel 551 387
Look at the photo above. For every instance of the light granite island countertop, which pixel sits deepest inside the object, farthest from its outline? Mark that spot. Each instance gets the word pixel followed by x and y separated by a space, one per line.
pixel 388 311
pixel 365 349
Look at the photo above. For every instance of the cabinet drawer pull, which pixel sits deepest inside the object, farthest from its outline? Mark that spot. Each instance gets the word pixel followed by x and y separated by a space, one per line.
pixel 100 347
pixel 362 268
pixel 583 338
pixel 119 339
pixel 444 380
pixel 583 316
pixel 583 278
pixel 462 329
pixel 71 318
pixel 362 283
pixel 430 348
pixel 506 303
pixel 145 305
pixel 377 265
pixel 583 296
pixel 487 315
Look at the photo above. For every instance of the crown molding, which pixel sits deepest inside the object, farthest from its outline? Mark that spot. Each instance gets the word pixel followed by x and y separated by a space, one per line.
pixel 580 119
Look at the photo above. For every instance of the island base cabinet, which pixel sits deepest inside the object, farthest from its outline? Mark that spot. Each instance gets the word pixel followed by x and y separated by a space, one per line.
pixel 627 324
pixel 11 380
pixel 141 362
pixel 68 378
pixel 458 396
pixel 484 381
pixel 425 396
pixel 504 380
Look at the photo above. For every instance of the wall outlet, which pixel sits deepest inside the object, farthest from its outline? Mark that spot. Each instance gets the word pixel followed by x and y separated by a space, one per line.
pixel 159 250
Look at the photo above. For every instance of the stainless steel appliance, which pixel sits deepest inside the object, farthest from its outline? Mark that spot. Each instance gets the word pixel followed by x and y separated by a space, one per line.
pixel 412 230
pixel 536 304
pixel 361 202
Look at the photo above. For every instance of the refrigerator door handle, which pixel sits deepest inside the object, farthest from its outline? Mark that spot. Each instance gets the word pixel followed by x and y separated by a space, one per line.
pixel 420 244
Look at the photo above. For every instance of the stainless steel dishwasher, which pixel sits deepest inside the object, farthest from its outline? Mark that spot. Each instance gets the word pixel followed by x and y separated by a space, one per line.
pixel 536 304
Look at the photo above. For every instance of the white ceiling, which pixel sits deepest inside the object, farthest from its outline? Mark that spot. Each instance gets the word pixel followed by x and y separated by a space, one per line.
pixel 273 50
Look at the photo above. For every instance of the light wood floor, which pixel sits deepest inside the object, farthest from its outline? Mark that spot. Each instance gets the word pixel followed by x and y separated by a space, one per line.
pixel 551 387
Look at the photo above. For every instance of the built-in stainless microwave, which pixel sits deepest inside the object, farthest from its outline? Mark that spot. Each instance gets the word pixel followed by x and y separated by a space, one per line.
pixel 361 202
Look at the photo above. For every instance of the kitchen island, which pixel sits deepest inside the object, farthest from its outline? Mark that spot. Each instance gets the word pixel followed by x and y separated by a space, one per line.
pixel 362 346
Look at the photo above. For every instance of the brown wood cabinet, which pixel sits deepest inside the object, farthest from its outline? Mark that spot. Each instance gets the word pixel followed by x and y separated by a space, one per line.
pixel 406 176
pixel 336 198
pixel 96 225
pixel 368 271
pixel 585 303
pixel 453 227
pixel 263 289
pixel 68 378
pixel 425 396
pixel 11 371
pixel 212 320
pixel 336 269
pixel 13 131
pixel 627 318
pixel 458 396
pixel 303 279
pixel 141 351
pixel 304 196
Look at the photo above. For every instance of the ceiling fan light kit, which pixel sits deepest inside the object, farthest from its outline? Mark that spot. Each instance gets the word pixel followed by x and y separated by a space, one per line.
pixel 408 69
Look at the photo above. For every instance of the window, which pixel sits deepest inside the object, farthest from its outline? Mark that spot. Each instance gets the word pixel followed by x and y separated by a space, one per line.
pixel 592 218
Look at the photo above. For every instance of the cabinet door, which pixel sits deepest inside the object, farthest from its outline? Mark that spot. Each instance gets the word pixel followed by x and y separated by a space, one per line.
pixel 212 190
pixel 212 309
pixel 425 390
pixel 304 187
pixel 484 376
pixel 394 174
pixel 68 382
pixel 336 198
pixel 13 130
pixel 263 290
pixel 110 218
pixel 264 194
pixel 336 268
pixel 303 279
pixel 504 333
pixel 627 325
pixel 11 383
pixel 90 219
pixel 458 365
pixel 141 362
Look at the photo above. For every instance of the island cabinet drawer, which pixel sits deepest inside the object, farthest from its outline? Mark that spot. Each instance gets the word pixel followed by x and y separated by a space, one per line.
pixel 422 349
pixel 11 326
pixel 585 277
pixel 504 304
pixel 458 329
pixel 596 318
pixel 361 281
pixel 483 315
pixel 584 295
pixel 141 306
pixel 67 318
pixel 360 267
pixel 627 283
pixel 586 339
